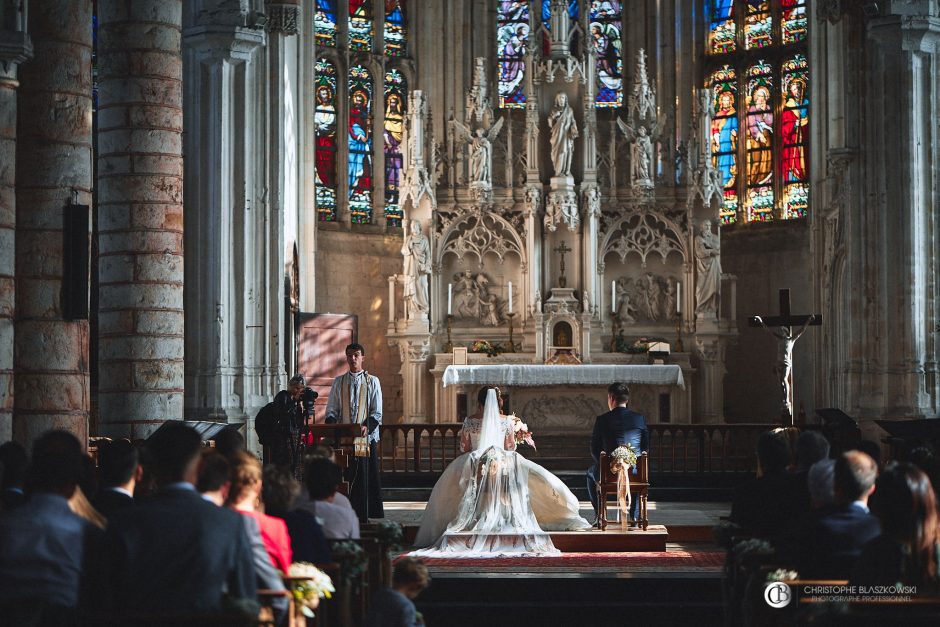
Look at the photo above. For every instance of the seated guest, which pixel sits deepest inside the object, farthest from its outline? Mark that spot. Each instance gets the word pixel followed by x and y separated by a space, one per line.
pixel 810 447
pixel 229 442
pixel 244 497
pixel 325 452
pixel 279 491
pixel 763 506
pixel 119 470
pixel 42 543
pixel 791 543
pixel 821 483
pixel 908 549
pixel 212 480
pixel 394 607
pixel 175 554
pixel 213 483
pixel 322 478
pixel 87 488
pixel 837 537
pixel 12 488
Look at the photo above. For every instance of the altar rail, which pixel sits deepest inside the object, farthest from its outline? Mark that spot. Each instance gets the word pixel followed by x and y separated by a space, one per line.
pixel 424 448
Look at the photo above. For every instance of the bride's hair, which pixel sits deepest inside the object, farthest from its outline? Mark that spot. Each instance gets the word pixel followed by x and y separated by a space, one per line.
pixel 481 395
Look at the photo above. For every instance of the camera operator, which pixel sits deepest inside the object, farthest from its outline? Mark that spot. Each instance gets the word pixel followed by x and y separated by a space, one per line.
pixel 282 424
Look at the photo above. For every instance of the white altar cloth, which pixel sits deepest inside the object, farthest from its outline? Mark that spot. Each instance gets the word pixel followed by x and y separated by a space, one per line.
pixel 585 374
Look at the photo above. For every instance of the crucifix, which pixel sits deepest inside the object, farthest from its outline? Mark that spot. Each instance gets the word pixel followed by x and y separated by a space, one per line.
pixel 786 338
pixel 562 281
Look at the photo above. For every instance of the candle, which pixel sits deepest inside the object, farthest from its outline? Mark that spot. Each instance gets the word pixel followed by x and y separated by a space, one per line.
pixel 613 297
pixel 678 297
pixel 510 297
pixel 450 297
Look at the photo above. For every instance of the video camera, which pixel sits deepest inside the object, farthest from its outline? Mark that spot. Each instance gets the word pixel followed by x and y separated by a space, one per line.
pixel 308 398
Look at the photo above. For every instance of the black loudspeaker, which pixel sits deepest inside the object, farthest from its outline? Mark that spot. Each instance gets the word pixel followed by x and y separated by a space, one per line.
pixel 76 245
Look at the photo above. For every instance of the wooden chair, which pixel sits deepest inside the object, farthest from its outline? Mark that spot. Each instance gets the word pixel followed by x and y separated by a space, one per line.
pixel 639 487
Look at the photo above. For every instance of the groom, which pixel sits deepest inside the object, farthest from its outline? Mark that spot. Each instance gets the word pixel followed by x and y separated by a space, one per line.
pixel 618 427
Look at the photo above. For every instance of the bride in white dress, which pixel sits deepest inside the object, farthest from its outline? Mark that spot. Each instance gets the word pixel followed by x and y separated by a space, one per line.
pixel 493 501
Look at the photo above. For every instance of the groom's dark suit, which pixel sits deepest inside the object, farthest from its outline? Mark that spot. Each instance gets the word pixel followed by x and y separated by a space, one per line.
pixel 618 427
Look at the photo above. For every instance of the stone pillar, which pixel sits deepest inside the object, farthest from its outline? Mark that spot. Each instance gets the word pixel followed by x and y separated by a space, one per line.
pixel 15 48
pixel 894 252
pixel 710 352
pixel 230 240
pixel 53 159
pixel 140 208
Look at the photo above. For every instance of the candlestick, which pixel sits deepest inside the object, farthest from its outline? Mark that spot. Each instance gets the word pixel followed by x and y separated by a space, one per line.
pixel 615 332
pixel 450 297
pixel 679 348
pixel 511 347
pixel 510 297
pixel 449 346
pixel 613 297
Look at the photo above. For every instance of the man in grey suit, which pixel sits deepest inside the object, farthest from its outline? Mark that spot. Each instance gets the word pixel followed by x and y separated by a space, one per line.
pixel 176 554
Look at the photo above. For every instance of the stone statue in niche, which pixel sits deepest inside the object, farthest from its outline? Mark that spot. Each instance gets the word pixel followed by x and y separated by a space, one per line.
pixel 640 137
pixel 708 267
pixel 480 144
pixel 564 131
pixel 474 300
pixel 417 268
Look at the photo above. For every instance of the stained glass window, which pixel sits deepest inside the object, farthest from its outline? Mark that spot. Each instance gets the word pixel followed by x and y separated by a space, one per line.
pixel 723 32
pixel 793 21
pixel 605 25
pixel 794 120
pixel 512 37
pixel 760 135
pixel 394 28
pixel 360 25
pixel 359 166
pixel 573 12
pixel 724 134
pixel 324 22
pixel 758 25
pixel 325 131
pixel 759 78
pixel 395 90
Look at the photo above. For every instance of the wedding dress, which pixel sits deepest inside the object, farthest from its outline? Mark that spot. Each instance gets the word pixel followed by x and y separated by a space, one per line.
pixel 492 501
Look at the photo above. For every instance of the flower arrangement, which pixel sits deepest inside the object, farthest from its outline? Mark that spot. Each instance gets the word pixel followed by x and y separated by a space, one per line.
pixel 752 552
pixel 782 574
pixel 350 557
pixel 521 432
pixel 485 346
pixel 625 454
pixel 309 584
pixel 640 345
pixel 389 533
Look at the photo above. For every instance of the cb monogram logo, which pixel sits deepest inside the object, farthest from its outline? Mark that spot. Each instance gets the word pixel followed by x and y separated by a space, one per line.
pixel 777 594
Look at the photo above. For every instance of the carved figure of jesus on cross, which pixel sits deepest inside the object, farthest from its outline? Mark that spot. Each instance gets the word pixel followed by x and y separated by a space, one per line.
pixel 562 281
pixel 786 339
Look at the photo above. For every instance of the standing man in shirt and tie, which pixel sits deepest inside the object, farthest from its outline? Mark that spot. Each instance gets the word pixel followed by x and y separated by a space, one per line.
pixel 356 397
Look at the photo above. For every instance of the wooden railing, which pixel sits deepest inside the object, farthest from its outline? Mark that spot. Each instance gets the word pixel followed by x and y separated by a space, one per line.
pixel 424 448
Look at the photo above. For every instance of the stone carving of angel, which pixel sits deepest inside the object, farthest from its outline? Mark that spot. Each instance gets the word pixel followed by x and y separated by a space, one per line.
pixel 481 149
pixel 641 151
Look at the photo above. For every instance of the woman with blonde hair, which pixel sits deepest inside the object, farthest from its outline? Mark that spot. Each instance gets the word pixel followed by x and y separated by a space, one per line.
pixel 245 497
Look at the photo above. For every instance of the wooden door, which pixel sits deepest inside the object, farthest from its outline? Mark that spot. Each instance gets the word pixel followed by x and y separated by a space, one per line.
pixel 321 346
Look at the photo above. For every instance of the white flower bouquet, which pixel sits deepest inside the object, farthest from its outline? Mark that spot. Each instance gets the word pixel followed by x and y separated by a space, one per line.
pixel 309 584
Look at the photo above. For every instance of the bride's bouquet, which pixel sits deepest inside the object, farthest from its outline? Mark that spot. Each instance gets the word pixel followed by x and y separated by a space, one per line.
pixel 521 431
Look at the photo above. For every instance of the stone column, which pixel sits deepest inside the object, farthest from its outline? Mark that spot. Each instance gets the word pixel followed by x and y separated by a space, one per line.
pixel 15 48
pixel 140 208
pixel 710 352
pixel 53 158
pixel 894 254
pixel 227 232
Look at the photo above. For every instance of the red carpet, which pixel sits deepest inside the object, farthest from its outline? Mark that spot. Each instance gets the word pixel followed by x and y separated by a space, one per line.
pixel 667 561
